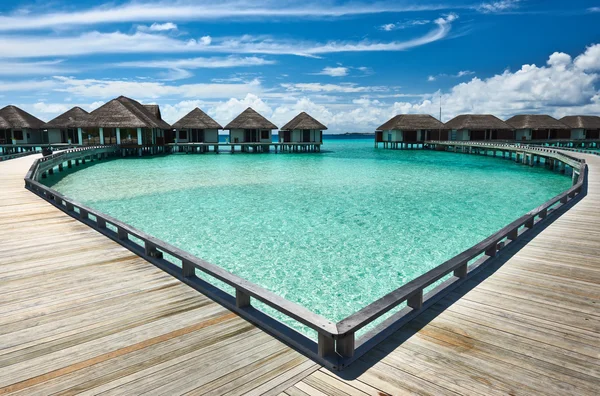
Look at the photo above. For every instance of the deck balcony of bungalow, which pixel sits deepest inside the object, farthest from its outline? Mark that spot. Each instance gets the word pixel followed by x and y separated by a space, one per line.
pixel 20 131
pixel 67 128
pixel 410 131
pixel 196 131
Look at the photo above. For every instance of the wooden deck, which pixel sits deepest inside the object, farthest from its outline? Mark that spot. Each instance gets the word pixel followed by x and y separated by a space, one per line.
pixel 81 314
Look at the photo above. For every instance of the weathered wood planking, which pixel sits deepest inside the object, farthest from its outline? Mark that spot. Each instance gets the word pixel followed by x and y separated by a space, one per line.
pixel 531 327
pixel 81 314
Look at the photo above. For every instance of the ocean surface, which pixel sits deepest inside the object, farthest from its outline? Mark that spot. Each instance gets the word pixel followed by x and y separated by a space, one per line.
pixel 332 231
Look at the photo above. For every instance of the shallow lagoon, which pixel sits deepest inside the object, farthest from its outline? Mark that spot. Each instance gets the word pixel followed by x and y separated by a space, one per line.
pixel 331 231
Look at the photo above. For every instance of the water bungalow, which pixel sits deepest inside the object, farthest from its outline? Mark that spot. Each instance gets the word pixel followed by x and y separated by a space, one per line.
pixel 250 127
pixel 408 130
pixel 538 127
pixel 18 127
pixel 67 127
pixel 196 127
pixel 583 127
pixel 304 130
pixel 126 122
pixel 479 127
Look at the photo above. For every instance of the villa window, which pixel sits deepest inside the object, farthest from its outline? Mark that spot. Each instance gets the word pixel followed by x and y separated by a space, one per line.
pixel 264 134
pixel 18 135
pixel 183 134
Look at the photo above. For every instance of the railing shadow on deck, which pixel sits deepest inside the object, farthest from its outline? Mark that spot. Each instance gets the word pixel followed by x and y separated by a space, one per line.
pixel 337 344
pixel 448 297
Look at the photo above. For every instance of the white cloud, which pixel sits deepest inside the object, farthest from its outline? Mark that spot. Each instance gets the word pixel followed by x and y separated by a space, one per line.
pixel 593 9
pixel 388 27
pixel 498 6
pixel 20 68
pixel 91 88
pixel 227 111
pixel 463 73
pixel 339 71
pixel 175 74
pixel 343 88
pixel 171 113
pixel 431 78
pixel 201 63
pixel 460 74
pixel 206 40
pixel 590 59
pixel 26 46
pixel 158 27
pixel 147 11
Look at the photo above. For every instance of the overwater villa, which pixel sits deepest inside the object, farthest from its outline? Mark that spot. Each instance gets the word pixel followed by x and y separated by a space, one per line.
pixel 250 127
pixel 538 127
pixel 479 127
pixel 583 127
pixel 67 127
pixel 406 130
pixel 126 122
pixel 196 127
pixel 302 129
pixel 18 127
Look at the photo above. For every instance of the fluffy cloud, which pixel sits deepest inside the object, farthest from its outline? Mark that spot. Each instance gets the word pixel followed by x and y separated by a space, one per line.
pixel 388 27
pixel 201 63
pixel 339 71
pixel 158 27
pixel 318 87
pixel 498 6
pixel 28 46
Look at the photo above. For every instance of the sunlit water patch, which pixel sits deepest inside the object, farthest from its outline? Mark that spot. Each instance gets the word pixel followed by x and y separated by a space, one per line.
pixel 332 231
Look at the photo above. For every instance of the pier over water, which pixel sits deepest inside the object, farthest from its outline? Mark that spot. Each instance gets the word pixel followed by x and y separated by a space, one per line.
pixel 81 314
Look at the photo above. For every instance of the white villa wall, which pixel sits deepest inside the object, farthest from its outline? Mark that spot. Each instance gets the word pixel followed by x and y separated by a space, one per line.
pixel 54 136
pixel 523 134
pixel 269 140
pixel 577 133
pixel 236 133
pixel 211 135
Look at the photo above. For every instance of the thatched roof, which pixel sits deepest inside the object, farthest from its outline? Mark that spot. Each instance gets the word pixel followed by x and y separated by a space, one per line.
pixel 412 122
pixel 303 121
pixel 581 122
pixel 535 121
pixel 16 118
pixel 124 112
pixel 4 124
pixel 250 119
pixel 154 109
pixel 197 119
pixel 477 122
pixel 74 118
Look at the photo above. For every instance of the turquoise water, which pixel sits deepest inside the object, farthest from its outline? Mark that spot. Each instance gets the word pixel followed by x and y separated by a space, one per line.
pixel 331 231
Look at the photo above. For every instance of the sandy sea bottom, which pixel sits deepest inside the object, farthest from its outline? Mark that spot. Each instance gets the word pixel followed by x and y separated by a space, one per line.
pixel 332 231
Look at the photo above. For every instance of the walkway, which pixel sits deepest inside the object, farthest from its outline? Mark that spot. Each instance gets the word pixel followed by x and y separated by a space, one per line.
pixel 80 314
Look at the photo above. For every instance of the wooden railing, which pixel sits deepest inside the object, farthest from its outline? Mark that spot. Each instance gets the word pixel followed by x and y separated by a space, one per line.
pixel 337 344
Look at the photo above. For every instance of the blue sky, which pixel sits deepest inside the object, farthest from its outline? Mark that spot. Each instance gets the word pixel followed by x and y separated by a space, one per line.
pixel 352 65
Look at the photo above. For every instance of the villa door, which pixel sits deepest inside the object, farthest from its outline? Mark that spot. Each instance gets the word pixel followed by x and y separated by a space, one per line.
pixel 287 136
pixel 306 135
pixel 410 136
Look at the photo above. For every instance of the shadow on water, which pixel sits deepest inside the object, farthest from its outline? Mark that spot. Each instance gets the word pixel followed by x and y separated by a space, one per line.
pixel 388 346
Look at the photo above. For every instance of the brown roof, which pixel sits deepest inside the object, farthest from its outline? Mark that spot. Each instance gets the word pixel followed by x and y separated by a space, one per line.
pixel 250 119
pixel 303 121
pixel 412 122
pixel 581 122
pixel 4 124
pixel 535 121
pixel 197 119
pixel 124 112
pixel 154 109
pixel 16 118
pixel 74 118
pixel 477 122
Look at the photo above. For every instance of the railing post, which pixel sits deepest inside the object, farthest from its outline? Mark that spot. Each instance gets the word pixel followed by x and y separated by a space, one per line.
pixel 83 214
pixel 150 250
pixel 326 346
pixel 121 234
pixel 514 234
pixel 188 269
pixel 492 250
pixel 345 345
pixel 101 223
pixel 530 223
pixel 242 299
pixel 543 213
pixel 461 272
pixel 416 301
